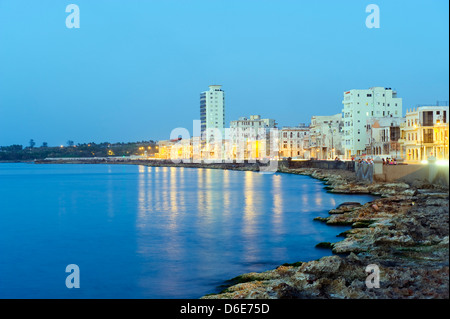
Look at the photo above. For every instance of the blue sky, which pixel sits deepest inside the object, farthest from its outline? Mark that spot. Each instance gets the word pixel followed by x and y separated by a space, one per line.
pixel 134 69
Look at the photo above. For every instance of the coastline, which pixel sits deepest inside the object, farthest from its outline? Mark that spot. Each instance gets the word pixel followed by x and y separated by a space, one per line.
pixel 404 232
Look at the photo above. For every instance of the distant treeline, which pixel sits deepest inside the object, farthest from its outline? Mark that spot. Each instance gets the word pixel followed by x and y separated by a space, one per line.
pixel 21 153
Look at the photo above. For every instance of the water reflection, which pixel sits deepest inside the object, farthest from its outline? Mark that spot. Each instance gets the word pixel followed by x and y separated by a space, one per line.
pixel 195 225
pixel 226 193
pixel 277 202
pixel 249 209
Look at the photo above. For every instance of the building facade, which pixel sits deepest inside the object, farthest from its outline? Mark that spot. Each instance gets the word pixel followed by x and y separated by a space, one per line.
pixel 294 142
pixel 425 133
pixel 383 135
pixel 325 137
pixel 358 107
pixel 250 137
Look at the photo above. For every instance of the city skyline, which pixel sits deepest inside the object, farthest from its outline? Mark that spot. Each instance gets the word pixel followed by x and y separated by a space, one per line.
pixel 134 72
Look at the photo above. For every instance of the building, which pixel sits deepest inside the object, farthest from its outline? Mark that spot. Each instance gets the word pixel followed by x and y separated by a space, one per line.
pixel 425 133
pixel 359 106
pixel 212 114
pixel 325 136
pixel 383 136
pixel 250 137
pixel 165 148
pixel 294 142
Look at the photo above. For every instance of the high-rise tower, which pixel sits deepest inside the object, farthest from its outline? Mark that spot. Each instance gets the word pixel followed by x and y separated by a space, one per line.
pixel 212 113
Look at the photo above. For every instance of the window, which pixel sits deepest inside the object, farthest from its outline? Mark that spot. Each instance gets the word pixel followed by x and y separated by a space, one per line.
pixel 428 135
pixel 369 95
pixel 428 118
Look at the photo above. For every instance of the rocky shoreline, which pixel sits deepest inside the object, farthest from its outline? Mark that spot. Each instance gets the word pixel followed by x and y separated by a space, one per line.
pixel 405 232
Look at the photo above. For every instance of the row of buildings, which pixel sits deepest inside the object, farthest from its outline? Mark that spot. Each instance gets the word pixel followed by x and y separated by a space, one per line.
pixel 370 124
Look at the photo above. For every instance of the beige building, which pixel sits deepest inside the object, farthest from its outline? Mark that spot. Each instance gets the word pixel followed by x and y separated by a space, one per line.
pixel 325 138
pixel 250 137
pixel 425 133
pixel 294 142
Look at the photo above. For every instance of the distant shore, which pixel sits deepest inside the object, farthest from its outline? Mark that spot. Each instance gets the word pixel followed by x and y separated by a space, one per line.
pixel 16 161
pixel 247 166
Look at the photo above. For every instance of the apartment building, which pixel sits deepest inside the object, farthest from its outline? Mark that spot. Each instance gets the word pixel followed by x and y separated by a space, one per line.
pixel 250 137
pixel 383 136
pixel 212 114
pixel 425 133
pixel 325 137
pixel 294 142
pixel 358 107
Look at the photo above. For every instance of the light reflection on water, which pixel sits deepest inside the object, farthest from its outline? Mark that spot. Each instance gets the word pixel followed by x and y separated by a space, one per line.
pixel 143 232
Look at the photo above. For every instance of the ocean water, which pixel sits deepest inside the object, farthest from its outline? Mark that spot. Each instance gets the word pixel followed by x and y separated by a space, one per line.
pixel 143 232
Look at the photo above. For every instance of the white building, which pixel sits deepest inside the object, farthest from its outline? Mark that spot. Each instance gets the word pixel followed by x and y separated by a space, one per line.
pixel 250 137
pixel 325 138
pixel 359 105
pixel 294 142
pixel 212 114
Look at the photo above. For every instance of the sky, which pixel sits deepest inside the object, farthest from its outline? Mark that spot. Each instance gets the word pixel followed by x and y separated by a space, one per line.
pixel 134 70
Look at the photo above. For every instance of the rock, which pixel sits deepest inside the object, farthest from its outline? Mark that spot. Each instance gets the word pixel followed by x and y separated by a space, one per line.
pixel 321 219
pixel 324 244
pixel 324 266
pixel 285 291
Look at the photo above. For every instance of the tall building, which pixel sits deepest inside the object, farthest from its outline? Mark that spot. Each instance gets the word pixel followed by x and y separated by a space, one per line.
pixel 425 133
pixel 360 105
pixel 212 114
